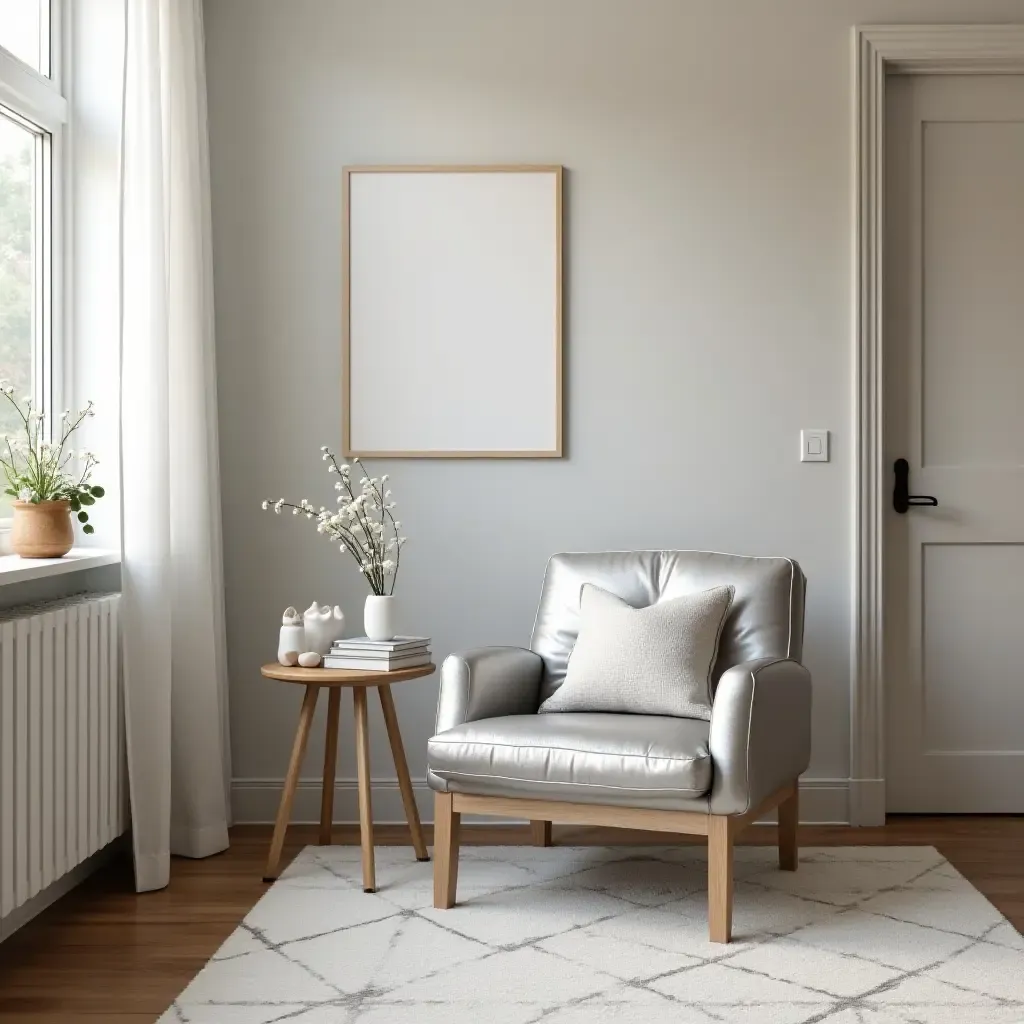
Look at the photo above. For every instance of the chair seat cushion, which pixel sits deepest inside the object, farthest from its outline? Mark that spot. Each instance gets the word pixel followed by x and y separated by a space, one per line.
pixel 626 760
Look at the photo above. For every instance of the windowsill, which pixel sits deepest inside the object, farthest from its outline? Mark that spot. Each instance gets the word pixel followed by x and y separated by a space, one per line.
pixel 15 569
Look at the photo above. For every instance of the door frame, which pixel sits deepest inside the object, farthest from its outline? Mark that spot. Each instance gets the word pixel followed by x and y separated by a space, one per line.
pixel 879 50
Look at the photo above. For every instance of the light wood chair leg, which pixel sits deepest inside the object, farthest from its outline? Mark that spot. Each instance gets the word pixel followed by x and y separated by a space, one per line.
pixel 291 779
pixel 365 799
pixel 789 818
pixel 541 833
pixel 412 815
pixel 720 843
pixel 330 765
pixel 446 851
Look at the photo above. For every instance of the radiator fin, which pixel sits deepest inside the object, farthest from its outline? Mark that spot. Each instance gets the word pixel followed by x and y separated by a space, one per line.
pixel 62 763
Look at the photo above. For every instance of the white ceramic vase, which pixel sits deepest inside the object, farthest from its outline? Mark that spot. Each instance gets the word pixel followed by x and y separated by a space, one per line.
pixel 379 618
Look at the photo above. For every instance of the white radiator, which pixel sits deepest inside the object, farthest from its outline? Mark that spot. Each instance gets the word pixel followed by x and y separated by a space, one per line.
pixel 62 782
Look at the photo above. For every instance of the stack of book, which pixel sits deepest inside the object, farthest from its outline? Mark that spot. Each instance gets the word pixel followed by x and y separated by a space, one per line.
pixel 379 655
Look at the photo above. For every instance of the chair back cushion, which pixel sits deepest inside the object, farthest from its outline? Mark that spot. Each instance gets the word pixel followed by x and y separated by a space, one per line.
pixel 765 620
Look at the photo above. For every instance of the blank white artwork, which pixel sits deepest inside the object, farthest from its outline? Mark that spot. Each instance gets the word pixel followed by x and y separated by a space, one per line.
pixel 454 304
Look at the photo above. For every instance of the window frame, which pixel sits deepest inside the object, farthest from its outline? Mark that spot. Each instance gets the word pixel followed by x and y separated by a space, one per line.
pixel 40 100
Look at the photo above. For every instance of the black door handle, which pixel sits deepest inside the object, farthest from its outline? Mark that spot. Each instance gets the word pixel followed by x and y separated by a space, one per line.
pixel 902 499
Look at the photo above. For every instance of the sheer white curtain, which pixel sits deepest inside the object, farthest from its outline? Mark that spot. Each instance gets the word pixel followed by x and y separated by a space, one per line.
pixel 173 605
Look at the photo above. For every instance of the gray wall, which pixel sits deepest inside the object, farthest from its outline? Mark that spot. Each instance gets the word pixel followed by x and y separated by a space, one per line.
pixel 708 155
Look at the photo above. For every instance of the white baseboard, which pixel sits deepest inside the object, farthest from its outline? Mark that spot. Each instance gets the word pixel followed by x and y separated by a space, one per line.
pixel 254 801
pixel 867 801
pixel 822 802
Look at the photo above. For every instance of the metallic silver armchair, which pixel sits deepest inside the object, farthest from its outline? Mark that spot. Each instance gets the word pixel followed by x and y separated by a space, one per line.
pixel 493 754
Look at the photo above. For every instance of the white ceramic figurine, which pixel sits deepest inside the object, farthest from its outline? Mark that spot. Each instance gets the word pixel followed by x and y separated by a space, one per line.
pixel 292 641
pixel 323 625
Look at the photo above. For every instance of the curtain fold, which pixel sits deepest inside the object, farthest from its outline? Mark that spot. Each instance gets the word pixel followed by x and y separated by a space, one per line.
pixel 175 668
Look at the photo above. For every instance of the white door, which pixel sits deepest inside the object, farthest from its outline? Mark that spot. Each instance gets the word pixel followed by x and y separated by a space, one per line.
pixel 954 403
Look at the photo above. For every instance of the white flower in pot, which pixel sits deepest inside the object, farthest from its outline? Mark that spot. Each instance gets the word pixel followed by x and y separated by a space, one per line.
pixel 48 480
pixel 364 526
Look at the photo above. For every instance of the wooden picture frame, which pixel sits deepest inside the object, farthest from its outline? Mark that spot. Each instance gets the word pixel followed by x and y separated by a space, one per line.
pixel 429 379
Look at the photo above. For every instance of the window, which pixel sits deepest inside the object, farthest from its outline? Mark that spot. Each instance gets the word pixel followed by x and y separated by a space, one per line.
pixel 24 24
pixel 19 312
pixel 32 115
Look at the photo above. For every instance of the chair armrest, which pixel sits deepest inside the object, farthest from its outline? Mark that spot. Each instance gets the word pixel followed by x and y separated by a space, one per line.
pixel 760 732
pixel 488 682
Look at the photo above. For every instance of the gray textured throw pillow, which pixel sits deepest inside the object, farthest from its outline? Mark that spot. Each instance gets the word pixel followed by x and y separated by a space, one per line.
pixel 644 661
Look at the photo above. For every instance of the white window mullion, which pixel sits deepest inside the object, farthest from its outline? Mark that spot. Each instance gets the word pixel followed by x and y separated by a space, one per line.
pixel 33 95
pixel 49 59
pixel 45 227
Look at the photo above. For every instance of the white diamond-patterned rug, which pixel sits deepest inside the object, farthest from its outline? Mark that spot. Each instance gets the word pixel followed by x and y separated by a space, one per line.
pixel 858 935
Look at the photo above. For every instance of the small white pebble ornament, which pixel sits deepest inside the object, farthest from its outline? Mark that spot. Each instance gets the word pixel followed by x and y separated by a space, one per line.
pixel 309 660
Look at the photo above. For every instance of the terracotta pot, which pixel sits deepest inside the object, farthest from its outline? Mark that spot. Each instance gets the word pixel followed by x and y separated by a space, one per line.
pixel 43 530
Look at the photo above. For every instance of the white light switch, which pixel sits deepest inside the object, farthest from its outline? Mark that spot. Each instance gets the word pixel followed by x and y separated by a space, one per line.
pixel 814 446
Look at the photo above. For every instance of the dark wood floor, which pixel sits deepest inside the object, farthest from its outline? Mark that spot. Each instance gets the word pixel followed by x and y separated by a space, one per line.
pixel 105 954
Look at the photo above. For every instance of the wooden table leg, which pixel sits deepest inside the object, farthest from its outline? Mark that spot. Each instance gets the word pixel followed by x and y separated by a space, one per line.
pixel 284 811
pixel 330 765
pixel 412 815
pixel 365 800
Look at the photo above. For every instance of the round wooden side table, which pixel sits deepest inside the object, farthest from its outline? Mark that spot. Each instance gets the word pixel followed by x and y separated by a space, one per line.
pixel 334 680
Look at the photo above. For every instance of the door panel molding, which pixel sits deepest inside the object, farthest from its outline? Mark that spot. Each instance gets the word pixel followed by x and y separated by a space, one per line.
pixel 878 51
